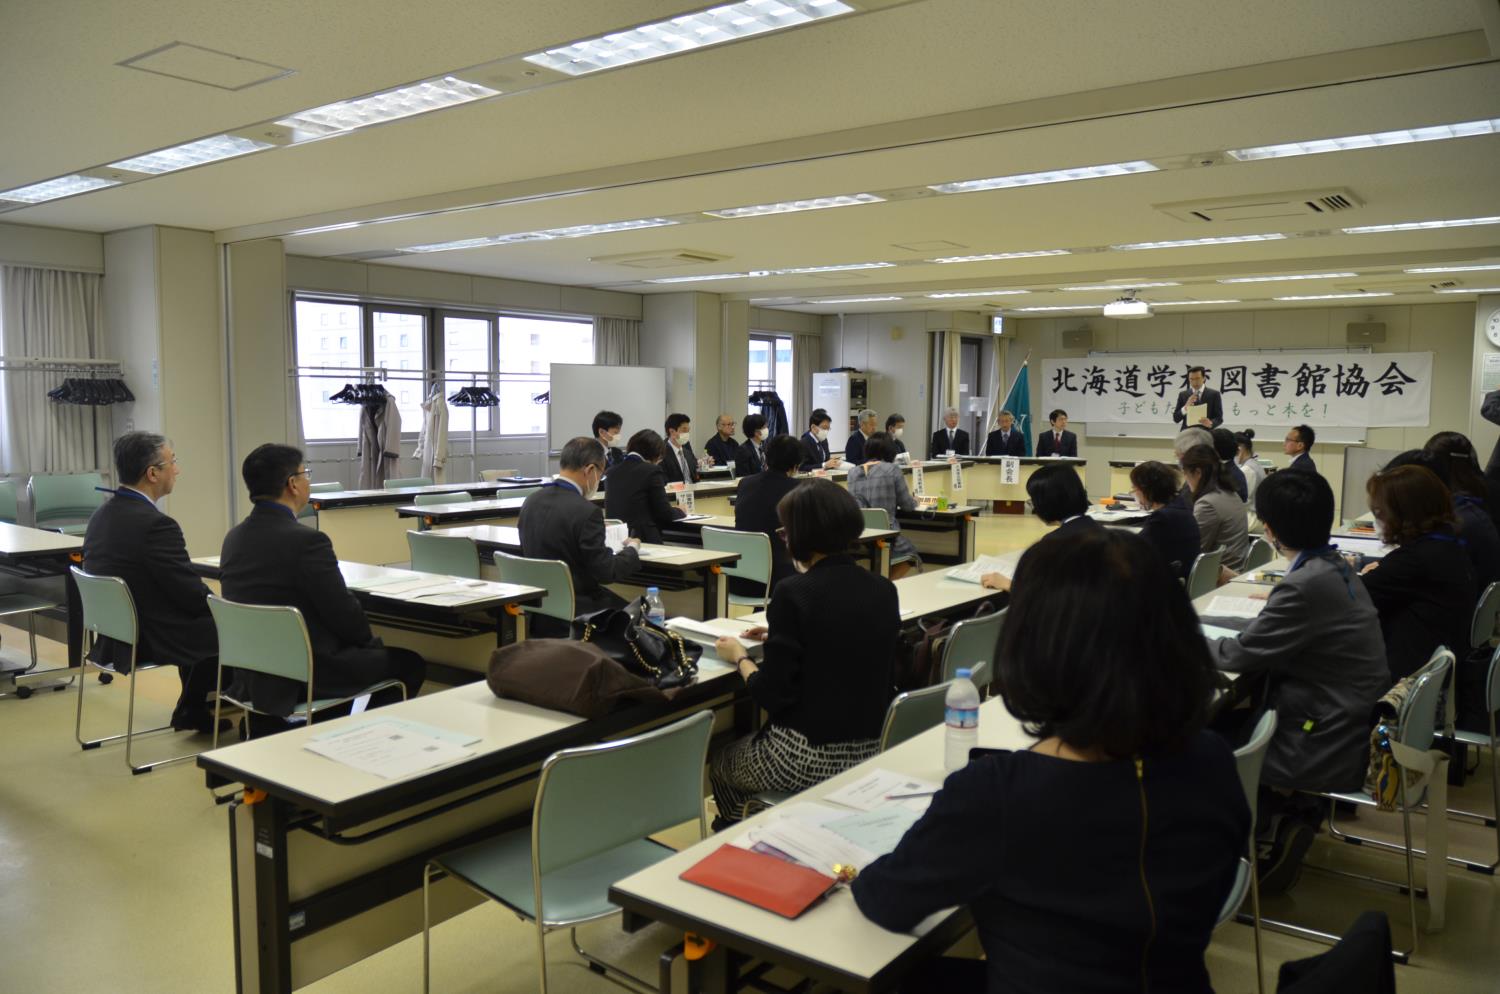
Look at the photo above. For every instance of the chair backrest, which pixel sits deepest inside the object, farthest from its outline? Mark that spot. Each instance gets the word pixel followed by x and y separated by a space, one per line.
pixel 645 784
pixel 65 498
pixel 1250 757
pixel 461 497
pixel 491 475
pixel 517 492
pixel 434 552
pixel 1492 684
pixel 754 549
pixel 912 713
pixel 10 508
pixel 876 517
pixel 1482 627
pixel 308 510
pixel 1419 715
pixel 266 638
pixel 108 608
pixel 971 644
pixel 550 574
pixel 1261 552
pixel 408 481
pixel 1205 574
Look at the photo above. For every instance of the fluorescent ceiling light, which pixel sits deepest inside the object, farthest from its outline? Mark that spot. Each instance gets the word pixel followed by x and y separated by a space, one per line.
pixel 1059 307
pixel 1338 296
pixel 1118 286
pixel 701 279
pixel 1000 255
pixel 1380 138
pixel 974 293
pixel 1277 279
pixel 392 105
pixel 1048 176
pixel 1458 222
pixel 192 154
pixel 1189 303
pixel 1191 242
pixel 1453 269
pixel 851 300
pixel 1473 289
pixel 546 235
pixel 55 189
pixel 793 206
pixel 714 26
pixel 846 267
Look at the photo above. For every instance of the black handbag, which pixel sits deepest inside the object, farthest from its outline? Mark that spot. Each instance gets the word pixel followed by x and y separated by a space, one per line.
pixel 650 651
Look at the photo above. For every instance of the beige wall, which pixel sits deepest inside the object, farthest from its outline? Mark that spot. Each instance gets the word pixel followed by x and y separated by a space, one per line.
pixel 51 248
pixel 1447 330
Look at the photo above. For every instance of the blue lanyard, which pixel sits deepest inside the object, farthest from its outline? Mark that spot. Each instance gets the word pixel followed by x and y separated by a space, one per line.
pixel 127 492
pixel 277 504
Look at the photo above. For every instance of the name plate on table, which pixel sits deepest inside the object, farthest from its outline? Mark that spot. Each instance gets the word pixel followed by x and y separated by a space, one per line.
pixel 958 476
pixel 687 500
pixel 918 479
pixel 1010 470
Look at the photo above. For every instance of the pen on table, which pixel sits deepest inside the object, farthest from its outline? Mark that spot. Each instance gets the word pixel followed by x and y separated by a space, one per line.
pixel 902 797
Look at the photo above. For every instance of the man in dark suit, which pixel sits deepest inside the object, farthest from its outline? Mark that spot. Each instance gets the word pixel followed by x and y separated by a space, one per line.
pixel 948 437
pixel 750 458
pixel 854 448
pixel 1005 440
pixel 755 510
pixel 560 521
pixel 607 428
pixel 815 454
pixel 1198 392
pixel 678 463
pixel 1057 441
pixel 1298 445
pixel 129 538
pixel 637 493
pixel 722 447
pixel 270 558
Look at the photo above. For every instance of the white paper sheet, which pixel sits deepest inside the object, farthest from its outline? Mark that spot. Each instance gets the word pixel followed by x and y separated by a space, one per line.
pixel 874 790
pixel 1216 632
pixel 388 749
pixel 877 831
pixel 971 572
pixel 1225 606
pixel 1195 413
pixel 615 536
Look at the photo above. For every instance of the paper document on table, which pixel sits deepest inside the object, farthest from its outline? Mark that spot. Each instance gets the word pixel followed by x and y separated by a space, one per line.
pixel 388 749
pixel 402 585
pixel 663 552
pixel 711 630
pixel 615 536
pixel 1216 632
pixel 695 517
pixel 451 598
pixel 417 727
pixel 1195 413
pixel 973 571
pixel 1225 606
pixel 809 844
pixel 878 831
pixel 875 790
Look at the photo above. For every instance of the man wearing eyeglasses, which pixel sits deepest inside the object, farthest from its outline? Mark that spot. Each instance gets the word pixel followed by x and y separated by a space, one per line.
pixel 271 558
pixel 129 537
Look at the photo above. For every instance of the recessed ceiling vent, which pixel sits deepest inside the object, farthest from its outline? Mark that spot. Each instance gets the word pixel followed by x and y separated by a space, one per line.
pixel 1263 206
pixel 668 259
pixel 1409 284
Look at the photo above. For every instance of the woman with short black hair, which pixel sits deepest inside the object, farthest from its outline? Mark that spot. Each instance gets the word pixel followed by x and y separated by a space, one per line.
pixel 1109 846
pixel 1058 498
pixel 1169 527
pixel 828 669
pixel 637 491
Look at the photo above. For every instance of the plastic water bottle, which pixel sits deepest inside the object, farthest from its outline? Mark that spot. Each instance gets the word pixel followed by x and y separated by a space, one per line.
pixel 961 710
pixel 657 614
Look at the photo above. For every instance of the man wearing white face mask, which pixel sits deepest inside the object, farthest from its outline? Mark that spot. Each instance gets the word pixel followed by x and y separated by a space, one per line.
pixel 607 427
pixel 895 425
pixel 680 465
pixel 815 453
pixel 751 456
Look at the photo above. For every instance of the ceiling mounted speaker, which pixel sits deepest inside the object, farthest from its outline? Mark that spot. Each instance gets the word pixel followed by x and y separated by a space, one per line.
pixel 1078 338
pixel 1365 332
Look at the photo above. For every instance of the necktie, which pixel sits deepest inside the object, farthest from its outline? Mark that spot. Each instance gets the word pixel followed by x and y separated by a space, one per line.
pixel 682 461
pixel 1057 438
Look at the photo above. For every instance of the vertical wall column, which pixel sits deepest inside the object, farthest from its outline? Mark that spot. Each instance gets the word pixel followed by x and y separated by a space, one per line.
pixel 734 359
pixel 261 394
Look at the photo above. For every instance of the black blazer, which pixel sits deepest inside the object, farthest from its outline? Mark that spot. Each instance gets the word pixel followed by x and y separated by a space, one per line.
pixel 1238 475
pixel 1173 530
pixel 129 538
pixel 829 681
pixel 1302 464
pixel 672 469
pixel 1424 592
pixel 557 523
pixel 1045 447
pixel 1210 397
pixel 755 511
pixel 1481 540
pixel 269 558
pixel 723 450
pixel 997 445
pixel 938 446
pixel 854 448
pixel 748 460
pixel 637 496
pixel 814 452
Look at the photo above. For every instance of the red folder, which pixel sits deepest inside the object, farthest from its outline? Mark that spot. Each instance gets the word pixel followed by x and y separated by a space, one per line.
pixel 764 881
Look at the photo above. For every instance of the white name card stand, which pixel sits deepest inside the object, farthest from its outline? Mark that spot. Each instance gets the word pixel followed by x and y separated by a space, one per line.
pixel 687 501
pixel 918 480
pixel 1010 471
pixel 957 482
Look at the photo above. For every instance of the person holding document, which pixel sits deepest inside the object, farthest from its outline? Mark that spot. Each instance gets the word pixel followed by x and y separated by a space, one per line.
pixel 1199 403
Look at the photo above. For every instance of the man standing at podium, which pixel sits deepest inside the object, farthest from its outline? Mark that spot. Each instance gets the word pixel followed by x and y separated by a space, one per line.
pixel 1198 393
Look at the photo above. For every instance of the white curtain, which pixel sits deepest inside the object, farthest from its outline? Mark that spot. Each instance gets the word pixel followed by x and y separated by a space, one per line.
pixel 807 359
pixel 617 342
pixel 294 431
pixel 52 314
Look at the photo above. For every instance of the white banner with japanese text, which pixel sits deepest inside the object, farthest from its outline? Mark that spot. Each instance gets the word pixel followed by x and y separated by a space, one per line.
pixel 1362 389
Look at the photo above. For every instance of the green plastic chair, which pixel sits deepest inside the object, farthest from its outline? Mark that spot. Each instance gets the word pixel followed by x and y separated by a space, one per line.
pixel 876 517
pixel 10 511
pixel 109 610
pixel 1481 741
pixel 971 645
pixel 1248 760
pixel 1204 578
pixel 451 555
pixel 1261 552
pixel 754 549
pixel 308 511
pixel 550 575
pixel 1486 614
pixel 461 497
pixel 64 503
pixel 271 639
pixel 557 873
pixel 408 481
pixel 491 475
pixel 912 713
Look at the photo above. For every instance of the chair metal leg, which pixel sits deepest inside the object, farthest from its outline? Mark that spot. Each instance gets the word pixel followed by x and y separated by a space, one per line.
pixel 541 954
pixel 1411 877
pixel 1260 978
pixel 131 734
pixel 426 929
pixel 607 970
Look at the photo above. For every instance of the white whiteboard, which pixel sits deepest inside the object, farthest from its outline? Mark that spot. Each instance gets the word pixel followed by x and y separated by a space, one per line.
pixel 636 393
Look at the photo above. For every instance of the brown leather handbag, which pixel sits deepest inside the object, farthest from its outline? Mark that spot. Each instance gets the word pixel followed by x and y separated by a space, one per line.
pixel 564 675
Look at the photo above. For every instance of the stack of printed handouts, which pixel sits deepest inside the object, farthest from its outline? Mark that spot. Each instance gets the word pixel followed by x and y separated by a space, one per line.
pixel 972 572
pixel 425 588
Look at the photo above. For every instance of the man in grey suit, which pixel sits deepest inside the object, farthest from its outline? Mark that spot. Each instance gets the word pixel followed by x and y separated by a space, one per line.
pixel 560 521
pixel 1318 642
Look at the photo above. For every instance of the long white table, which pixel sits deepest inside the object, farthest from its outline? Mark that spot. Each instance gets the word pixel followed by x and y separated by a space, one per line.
pixel 925 595
pixel 34 562
pixel 876 541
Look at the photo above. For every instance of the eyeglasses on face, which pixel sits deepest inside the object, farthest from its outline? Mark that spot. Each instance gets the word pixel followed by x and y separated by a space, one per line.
pixel 301 472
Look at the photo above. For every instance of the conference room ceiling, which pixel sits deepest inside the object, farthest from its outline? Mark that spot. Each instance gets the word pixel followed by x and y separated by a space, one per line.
pixel 885 102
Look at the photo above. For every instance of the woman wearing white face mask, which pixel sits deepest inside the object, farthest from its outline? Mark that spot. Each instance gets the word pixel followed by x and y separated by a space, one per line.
pixel 751 457
pixel 894 426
